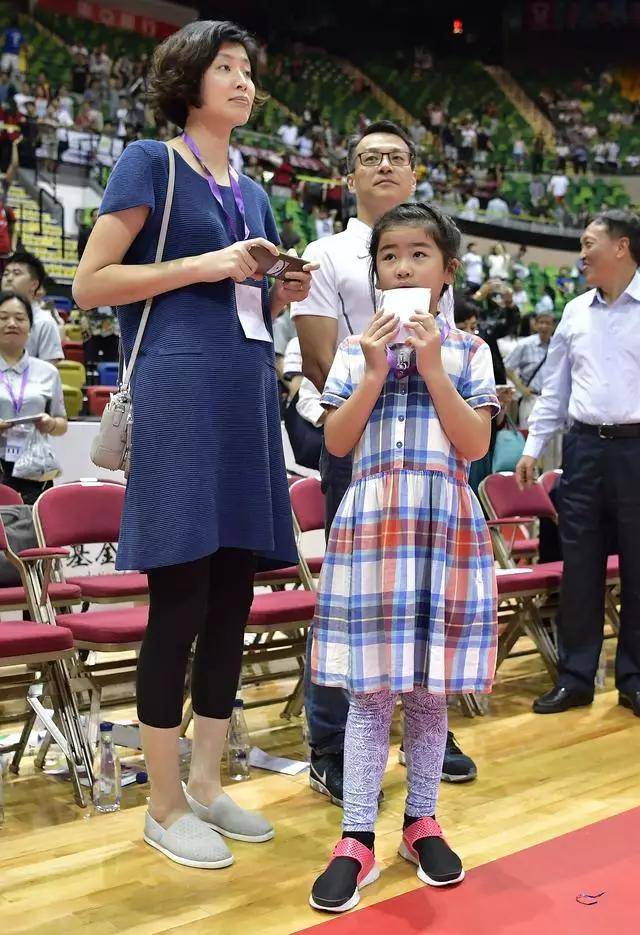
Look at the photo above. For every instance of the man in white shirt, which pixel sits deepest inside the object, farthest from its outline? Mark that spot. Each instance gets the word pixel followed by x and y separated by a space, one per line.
pixel 497 209
pixel 474 272
pixel 323 223
pixel 592 375
pixel 558 186
pixel 24 274
pixel 525 368
pixel 380 167
pixel 288 133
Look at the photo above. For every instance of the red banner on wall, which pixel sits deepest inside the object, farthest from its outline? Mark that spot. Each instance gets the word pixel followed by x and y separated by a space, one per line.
pixel 110 16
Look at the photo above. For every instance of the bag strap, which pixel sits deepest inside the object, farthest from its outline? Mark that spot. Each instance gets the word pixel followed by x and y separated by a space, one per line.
pixel 128 369
pixel 538 368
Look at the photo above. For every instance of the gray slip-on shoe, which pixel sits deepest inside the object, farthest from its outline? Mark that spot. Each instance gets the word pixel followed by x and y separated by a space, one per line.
pixel 232 821
pixel 188 841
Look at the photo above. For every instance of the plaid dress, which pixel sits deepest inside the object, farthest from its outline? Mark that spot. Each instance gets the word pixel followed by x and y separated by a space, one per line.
pixel 407 594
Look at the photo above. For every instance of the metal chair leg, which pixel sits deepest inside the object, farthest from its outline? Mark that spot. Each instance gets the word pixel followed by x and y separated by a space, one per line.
pixel 22 743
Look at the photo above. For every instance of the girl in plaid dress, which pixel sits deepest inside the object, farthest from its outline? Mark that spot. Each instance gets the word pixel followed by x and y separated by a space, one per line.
pixel 407 597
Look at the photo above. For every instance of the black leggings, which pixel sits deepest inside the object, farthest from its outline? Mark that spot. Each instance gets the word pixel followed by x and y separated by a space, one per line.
pixel 210 599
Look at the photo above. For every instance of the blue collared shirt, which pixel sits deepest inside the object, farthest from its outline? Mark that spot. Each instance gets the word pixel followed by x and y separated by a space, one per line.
pixel 592 371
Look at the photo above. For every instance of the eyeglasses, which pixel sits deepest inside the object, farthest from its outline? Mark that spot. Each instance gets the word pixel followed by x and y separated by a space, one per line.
pixel 396 157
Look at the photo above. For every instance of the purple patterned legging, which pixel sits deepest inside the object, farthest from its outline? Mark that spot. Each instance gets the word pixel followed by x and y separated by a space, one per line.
pixel 366 749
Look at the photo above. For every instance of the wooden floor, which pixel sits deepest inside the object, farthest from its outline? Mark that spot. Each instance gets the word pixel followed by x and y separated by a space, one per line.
pixel 64 871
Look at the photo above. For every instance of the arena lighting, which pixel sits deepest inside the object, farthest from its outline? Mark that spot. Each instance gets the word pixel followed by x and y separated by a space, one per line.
pixel 457 27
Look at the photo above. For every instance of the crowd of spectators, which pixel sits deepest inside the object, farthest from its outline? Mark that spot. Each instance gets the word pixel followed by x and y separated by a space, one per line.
pixel 588 134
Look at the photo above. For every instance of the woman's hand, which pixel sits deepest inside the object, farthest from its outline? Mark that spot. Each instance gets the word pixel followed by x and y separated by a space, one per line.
pixel 234 262
pixel 4 426
pixel 293 288
pixel 46 425
pixel 425 340
pixel 374 343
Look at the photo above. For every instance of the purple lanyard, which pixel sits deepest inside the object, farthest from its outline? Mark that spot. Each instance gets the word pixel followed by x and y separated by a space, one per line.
pixel 217 194
pixel 17 402
pixel 402 360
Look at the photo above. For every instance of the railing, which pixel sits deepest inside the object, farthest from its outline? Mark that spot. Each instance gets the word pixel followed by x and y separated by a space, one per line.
pixel 42 194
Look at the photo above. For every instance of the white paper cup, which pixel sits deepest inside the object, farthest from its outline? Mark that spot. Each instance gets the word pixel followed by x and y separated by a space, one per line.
pixel 404 303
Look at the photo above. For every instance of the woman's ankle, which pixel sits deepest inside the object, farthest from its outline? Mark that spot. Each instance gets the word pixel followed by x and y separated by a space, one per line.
pixel 204 791
pixel 165 812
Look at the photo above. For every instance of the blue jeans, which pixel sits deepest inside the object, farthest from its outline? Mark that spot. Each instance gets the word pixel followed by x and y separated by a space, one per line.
pixel 327 708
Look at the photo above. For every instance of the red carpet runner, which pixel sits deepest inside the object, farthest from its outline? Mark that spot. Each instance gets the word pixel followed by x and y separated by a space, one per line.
pixel 528 893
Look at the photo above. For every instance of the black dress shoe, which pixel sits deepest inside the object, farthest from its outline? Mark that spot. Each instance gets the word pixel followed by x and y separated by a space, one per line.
pixel 561 699
pixel 630 700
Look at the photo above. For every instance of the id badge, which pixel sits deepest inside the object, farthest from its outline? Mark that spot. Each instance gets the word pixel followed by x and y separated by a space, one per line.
pixel 15 440
pixel 249 305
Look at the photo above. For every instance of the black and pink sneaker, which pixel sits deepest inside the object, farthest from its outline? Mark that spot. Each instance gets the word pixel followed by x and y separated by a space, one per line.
pixel 423 844
pixel 351 867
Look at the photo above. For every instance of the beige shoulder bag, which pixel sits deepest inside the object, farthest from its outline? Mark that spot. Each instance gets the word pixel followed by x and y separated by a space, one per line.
pixel 111 448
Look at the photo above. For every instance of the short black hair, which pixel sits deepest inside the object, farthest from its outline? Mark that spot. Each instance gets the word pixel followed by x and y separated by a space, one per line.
pixel 445 234
pixel 622 223
pixel 464 308
pixel 379 126
pixel 7 294
pixel 30 260
pixel 179 63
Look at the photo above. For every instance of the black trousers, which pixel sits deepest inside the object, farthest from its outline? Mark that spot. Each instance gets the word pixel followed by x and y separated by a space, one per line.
pixel 599 503
pixel 29 490
pixel 209 598
pixel 335 474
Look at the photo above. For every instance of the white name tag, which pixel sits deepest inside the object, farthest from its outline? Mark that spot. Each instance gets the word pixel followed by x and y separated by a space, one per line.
pixel 15 440
pixel 249 305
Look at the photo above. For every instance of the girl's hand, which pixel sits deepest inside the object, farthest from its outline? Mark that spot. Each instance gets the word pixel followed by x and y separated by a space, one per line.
pixel 234 262
pixel 374 343
pixel 425 340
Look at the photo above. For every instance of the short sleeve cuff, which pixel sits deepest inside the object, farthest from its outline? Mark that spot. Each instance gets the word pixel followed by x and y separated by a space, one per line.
pixel 485 399
pixel 298 309
pixel 332 401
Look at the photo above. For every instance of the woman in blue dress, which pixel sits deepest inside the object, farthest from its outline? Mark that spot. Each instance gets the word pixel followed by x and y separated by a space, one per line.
pixel 207 500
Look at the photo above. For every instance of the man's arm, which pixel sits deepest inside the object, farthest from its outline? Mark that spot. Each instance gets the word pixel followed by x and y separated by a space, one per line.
pixel 316 318
pixel 318 339
pixel 550 411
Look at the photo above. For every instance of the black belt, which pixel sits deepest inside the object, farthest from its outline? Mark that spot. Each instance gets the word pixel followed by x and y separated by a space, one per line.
pixel 630 430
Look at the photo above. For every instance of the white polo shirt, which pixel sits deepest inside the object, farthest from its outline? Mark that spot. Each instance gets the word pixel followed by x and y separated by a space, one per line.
pixel 340 288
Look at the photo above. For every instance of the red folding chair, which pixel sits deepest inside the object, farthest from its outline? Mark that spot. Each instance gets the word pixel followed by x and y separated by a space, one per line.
pixel 549 480
pixel 98 398
pixel 510 508
pixel 44 652
pixel 83 513
pixel 9 496
pixel 73 350
pixel 86 513
pixel 307 503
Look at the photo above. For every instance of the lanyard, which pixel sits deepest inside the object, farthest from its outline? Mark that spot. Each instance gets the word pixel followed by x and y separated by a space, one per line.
pixel 217 194
pixel 17 402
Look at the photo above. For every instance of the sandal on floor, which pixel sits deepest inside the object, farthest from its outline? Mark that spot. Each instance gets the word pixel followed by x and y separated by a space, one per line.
pixel 352 866
pixel 437 864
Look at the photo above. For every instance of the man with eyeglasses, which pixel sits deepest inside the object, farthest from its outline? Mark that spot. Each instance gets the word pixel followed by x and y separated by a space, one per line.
pixel 381 175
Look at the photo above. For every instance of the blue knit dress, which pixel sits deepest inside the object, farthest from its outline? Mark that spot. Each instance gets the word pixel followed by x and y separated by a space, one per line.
pixel 207 468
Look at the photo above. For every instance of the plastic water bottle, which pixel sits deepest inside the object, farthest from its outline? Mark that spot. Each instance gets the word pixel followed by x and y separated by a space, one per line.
pixel 106 770
pixel 601 674
pixel 1 791
pixel 238 745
